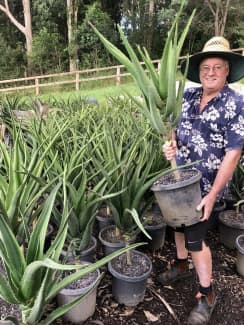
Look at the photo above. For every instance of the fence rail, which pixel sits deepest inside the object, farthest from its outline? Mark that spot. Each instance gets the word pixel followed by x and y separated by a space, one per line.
pixel 76 78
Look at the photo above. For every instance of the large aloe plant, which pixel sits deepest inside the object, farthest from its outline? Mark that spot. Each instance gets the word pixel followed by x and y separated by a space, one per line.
pixel 162 97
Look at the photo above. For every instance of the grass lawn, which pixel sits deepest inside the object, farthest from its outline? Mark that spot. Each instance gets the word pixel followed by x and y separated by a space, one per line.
pixel 101 93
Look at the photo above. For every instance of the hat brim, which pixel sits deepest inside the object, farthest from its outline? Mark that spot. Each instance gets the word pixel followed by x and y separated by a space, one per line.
pixel 236 64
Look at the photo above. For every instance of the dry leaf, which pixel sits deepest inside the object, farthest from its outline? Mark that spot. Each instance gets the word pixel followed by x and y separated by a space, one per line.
pixel 127 312
pixel 150 317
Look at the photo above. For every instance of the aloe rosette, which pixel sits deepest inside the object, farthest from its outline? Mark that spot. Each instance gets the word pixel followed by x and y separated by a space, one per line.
pixel 162 97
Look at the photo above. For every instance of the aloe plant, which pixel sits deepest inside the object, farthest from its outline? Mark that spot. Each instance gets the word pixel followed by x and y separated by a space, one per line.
pixel 30 280
pixel 23 180
pixel 162 98
pixel 85 188
pixel 131 164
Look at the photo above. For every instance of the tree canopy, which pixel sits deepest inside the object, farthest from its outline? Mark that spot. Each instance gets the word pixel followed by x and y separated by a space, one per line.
pixel 46 36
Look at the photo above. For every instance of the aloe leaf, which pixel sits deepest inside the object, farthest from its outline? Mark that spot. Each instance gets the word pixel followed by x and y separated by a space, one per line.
pixel 150 66
pixel 37 239
pixel 6 292
pixel 137 220
pixel 12 254
pixel 171 98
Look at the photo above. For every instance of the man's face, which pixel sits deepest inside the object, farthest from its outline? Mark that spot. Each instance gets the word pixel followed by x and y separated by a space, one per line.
pixel 213 73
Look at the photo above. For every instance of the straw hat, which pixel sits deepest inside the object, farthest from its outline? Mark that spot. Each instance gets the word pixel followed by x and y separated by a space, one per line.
pixel 217 46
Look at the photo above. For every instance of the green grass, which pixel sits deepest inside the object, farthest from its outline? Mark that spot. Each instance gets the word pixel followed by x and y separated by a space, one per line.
pixel 101 93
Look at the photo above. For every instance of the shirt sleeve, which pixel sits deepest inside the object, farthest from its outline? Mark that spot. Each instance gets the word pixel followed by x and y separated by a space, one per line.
pixel 235 126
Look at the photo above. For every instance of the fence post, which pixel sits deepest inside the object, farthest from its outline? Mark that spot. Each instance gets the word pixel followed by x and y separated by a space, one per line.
pixel 118 76
pixel 37 86
pixel 158 66
pixel 77 84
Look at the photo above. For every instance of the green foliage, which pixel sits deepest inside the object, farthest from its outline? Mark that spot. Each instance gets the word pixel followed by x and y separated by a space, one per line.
pixel 30 278
pixel 162 101
pixel 9 56
pixel 91 52
pixel 47 52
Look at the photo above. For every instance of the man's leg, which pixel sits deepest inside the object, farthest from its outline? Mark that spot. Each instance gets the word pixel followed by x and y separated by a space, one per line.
pixel 202 261
pixel 179 266
pixel 182 252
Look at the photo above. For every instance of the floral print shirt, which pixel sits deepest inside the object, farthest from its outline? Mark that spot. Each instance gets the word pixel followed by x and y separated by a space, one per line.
pixel 206 136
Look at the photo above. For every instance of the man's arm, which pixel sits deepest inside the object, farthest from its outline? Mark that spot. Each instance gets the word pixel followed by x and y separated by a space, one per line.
pixel 224 174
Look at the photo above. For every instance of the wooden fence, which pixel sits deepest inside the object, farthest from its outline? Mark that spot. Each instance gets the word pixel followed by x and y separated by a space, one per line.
pixel 76 78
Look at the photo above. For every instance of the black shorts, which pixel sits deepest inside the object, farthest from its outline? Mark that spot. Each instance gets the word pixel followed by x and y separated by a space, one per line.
pixel 195 235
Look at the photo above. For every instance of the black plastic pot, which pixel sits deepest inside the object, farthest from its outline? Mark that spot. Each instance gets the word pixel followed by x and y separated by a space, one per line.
pixel 104 221
pixel 214 217
pixel 240 254
pixel 86 255
pixel 156 229
pixel 178 199
pixel 48 238
pixel 129 289
pixel 229 229
pixel 111 246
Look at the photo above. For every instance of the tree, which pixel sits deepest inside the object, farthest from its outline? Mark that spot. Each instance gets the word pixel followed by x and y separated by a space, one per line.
pixel 25 28
pixel 91 51
pixel 47 52
pixel 219 9
pixel 72 22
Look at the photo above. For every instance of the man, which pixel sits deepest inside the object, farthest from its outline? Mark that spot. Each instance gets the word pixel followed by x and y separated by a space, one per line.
pixel 210 130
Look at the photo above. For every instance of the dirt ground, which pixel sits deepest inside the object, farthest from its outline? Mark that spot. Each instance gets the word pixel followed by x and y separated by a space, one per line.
pixel 179 296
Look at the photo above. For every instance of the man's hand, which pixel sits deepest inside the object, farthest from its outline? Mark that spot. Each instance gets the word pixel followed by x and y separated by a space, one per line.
pixel 206 205
pixel 169 149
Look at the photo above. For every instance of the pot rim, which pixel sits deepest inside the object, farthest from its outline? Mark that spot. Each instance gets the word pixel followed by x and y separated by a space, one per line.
pixel 131 278
pixel 83 290
pixel 238 246
pixel 157 187
pixel 228 223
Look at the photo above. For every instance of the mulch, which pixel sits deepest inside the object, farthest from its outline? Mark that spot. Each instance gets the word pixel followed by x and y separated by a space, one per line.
pixel 179 298
pixel 172 304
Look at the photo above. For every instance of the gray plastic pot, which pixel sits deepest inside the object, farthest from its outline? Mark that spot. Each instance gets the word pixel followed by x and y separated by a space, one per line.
pixel 129 290
pixel 86 308
pixel 5 321
pixel 178 200
pixel 228 230
pixel 240 254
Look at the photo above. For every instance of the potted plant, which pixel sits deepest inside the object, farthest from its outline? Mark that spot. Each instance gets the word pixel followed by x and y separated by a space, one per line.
pixel 231 225
pixel 129 172
pixel 86 189
pixel 240 254
pixel 161 106
pixel 131 164
pixel 104 217
pixel 29 280
pixel 231 221
pixel 155 226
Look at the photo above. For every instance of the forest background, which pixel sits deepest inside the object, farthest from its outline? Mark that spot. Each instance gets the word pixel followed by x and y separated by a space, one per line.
pixel 48 36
